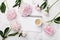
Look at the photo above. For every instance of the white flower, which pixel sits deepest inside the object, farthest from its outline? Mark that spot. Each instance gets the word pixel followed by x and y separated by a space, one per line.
pixel 24 34
pixel 37 8
pixel 15 26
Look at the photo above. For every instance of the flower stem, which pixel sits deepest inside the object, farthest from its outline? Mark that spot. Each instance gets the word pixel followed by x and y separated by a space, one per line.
pixel 4 0
pixel 6 3
pixel 48 8
pixel 3 39
pixel 53 4
pixel 53 18
pixel 56 15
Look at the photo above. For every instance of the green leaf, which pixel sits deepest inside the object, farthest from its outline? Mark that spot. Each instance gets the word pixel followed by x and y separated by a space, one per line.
pixel 3 7
pixel 13 34
pixel 6 31
pixel 0 7
pixel 20 34
pixel 57 20
pixel 1 33
pixel 17 3
pixel 43 6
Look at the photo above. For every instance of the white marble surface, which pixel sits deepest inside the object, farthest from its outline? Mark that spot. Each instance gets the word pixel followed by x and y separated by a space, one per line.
pixel 28 25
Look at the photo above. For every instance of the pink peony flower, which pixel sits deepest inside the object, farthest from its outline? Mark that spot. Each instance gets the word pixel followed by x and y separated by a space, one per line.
pixel 11 14
pixel 15 26
pixel 25 9
pixel 49 30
